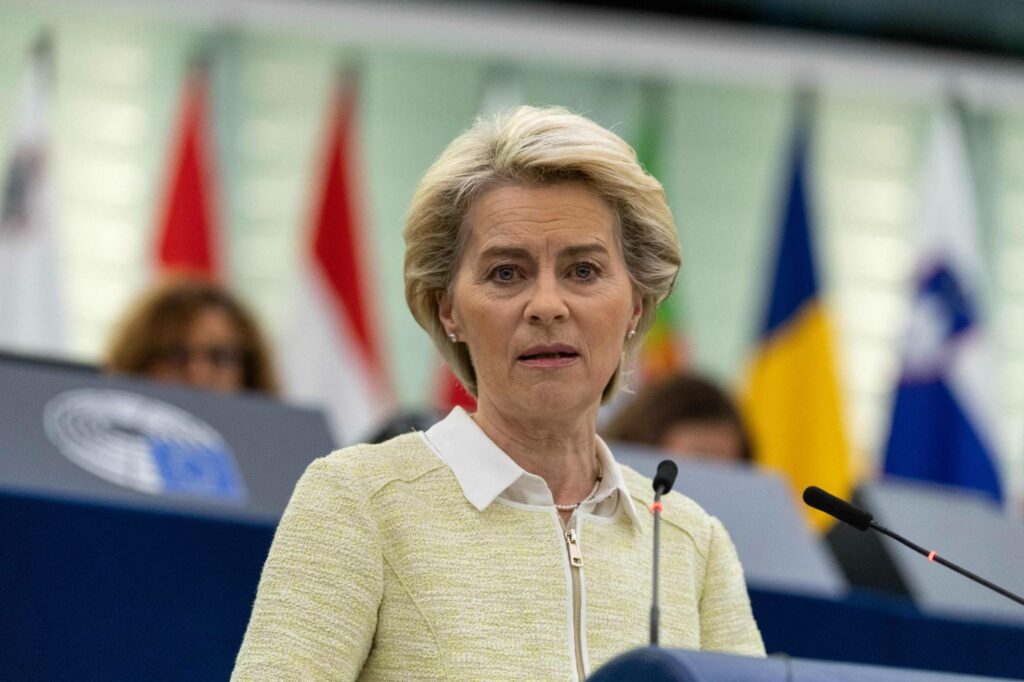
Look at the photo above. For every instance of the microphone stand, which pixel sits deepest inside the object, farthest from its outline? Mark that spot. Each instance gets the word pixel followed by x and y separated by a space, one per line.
pixel 655 613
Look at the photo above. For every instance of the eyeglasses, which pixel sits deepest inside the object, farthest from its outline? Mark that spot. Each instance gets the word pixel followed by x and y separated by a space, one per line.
pixel 220 357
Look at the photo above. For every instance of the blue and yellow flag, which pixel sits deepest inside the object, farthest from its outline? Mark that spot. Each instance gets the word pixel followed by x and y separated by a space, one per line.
pixel 792 402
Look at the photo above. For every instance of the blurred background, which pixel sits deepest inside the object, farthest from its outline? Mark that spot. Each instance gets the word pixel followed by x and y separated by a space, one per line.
pixel 847 178
pixel 708 95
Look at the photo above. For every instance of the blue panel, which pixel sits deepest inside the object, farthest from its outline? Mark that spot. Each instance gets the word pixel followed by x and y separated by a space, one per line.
pixel 94 592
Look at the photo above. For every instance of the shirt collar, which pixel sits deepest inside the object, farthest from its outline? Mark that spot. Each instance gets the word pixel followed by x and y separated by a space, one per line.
pixel 485 472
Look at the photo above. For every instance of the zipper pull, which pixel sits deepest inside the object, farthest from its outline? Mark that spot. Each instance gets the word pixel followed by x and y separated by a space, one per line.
pixel 575 556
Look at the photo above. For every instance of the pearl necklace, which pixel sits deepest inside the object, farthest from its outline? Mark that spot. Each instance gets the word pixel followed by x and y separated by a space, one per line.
pixel 588 498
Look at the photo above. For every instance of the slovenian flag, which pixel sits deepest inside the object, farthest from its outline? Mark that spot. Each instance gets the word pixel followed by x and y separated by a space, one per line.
pixel 943 426
pixel 792 402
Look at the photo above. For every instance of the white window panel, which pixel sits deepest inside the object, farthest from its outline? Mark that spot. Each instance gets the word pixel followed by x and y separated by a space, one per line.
pixel 870 417
pixel 281 80
pixel 105 242
pixel 870 367
pixel 118 65
pixel 870 257
pixel 1009 326
pixel 1010 211
pixel 268 255
pixel 120 123
pixel 272 140
pixel 1010 156
pixel 1010 270
pixel 1013 382
pixel 98 181
pixel 871 199
pixel 262 196
pixel 888 306
pixel 878 146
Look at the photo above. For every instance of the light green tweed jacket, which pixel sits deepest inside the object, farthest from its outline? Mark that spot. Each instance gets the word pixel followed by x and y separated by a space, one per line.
pixel 381 569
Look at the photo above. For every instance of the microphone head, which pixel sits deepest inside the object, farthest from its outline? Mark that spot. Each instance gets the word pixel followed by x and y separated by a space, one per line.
pixel 840 509
pixel 666 476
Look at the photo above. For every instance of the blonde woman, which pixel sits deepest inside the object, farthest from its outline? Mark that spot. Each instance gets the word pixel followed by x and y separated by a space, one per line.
pixel 506 544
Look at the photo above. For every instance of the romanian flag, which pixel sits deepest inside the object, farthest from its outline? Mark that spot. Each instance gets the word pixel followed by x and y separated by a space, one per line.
pixel 792 402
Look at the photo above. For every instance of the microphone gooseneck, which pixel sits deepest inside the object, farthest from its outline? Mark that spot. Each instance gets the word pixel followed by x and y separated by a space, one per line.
pixel 664 479
pixel 862 520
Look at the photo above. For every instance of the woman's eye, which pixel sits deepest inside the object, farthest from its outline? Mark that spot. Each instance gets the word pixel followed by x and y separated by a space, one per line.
pixel 504 273
pixel 584 271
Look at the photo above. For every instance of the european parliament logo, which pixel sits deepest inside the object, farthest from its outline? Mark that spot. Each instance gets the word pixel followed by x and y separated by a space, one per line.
pixel 144 444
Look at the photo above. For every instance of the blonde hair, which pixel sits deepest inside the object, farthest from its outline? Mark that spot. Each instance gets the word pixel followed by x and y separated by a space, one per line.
pixel 534 146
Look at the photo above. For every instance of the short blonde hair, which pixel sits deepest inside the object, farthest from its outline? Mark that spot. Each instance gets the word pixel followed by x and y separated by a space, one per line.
pixel 534 146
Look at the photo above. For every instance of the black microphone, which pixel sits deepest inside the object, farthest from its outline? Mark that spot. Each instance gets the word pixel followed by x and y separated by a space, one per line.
pixel 664 479
pixel 862 520
pixel 840 509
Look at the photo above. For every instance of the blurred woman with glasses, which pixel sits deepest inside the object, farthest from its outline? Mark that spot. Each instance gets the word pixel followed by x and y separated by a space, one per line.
pixel 195 333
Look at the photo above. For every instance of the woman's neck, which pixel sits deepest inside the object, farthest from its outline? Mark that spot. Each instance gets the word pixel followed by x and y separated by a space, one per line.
pixel 563 452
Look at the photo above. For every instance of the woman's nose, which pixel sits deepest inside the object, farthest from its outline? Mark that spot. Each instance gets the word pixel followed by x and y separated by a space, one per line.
pixel 547 303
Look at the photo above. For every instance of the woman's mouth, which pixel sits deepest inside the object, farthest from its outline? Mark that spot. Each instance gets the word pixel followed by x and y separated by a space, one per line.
pixel 549 357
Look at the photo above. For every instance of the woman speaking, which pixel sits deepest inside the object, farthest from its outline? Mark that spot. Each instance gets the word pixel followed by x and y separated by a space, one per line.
pixel 507 543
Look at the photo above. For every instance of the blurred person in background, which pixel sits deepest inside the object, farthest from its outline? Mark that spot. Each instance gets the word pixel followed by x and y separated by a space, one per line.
pixel 402 422
pixel 192 332
pixel 506 544
pixel 684 414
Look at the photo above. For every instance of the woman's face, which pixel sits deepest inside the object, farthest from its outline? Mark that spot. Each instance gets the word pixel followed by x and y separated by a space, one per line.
pixel 542 298
pixel 209 356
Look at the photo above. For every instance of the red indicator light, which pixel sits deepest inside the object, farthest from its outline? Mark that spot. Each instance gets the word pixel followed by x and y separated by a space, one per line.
pixel 656 507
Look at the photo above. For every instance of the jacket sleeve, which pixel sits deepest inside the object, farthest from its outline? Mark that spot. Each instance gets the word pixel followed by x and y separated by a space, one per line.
pixel 726 620
pixel 316 607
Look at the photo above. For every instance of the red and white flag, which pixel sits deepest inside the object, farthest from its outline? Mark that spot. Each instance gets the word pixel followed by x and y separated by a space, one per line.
pixel 31 305
pixel 187 237
pixel 329 352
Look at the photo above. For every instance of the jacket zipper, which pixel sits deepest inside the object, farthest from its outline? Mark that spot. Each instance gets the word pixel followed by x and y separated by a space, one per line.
pixel 575 565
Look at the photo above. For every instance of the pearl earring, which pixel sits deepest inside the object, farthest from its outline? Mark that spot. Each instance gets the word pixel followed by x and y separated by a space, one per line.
pixel 452 337
pixel 631 334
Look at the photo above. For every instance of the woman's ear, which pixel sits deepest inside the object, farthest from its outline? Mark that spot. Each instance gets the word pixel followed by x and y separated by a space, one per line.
pixel 445 312
pixel 638 309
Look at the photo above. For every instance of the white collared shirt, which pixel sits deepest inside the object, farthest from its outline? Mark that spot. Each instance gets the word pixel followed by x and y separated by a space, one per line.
pixel 485 472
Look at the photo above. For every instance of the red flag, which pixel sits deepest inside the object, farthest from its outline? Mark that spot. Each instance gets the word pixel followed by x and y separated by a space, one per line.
pixel 336 244
pixel 187 240
pixel 330 355
pixel 452 393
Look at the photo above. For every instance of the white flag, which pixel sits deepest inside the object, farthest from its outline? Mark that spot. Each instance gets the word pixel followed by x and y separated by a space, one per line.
pixel 31 317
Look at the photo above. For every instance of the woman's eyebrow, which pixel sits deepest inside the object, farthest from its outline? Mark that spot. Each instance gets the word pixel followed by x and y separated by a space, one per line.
pixel 512 252
pixel 583 250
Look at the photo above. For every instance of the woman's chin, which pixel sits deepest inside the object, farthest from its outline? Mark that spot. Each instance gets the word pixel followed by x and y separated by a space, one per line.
pixel 555 399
